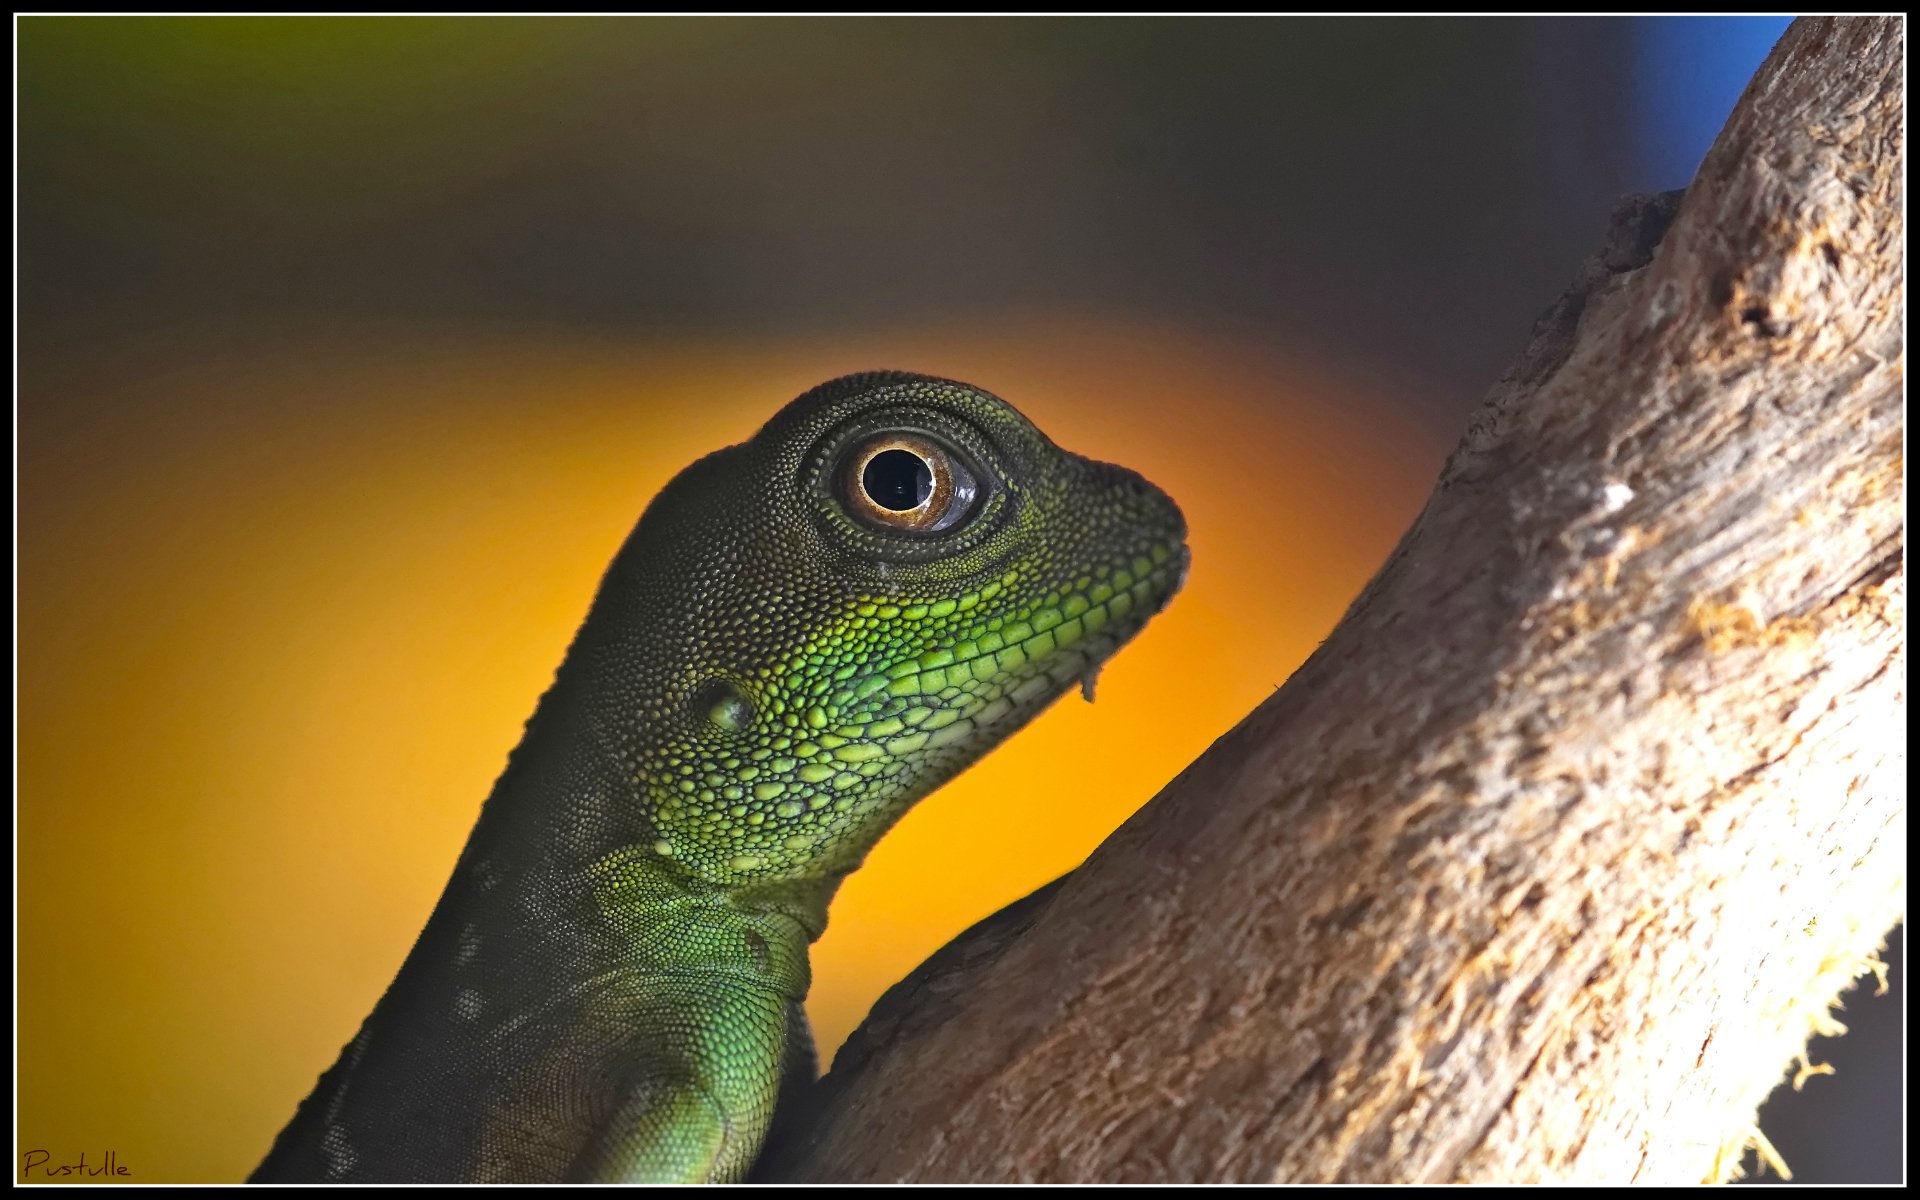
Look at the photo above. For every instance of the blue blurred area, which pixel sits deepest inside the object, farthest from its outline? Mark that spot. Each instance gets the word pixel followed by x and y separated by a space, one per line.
pixel 1687 74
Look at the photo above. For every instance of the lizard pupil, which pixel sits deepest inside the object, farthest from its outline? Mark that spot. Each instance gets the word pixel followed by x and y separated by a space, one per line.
pixel 897 480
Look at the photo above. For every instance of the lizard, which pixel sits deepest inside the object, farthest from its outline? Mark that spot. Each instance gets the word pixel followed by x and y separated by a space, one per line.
pixel 803 635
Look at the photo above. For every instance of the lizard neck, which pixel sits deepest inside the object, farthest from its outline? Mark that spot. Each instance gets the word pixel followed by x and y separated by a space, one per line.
pixel 556 965
pixel 560 874
pixel 570 813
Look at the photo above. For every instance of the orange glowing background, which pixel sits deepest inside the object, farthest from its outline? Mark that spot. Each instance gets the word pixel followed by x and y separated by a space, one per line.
pixel 284 613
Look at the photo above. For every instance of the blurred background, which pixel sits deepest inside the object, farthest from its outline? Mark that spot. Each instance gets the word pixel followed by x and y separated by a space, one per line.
pixel 351 348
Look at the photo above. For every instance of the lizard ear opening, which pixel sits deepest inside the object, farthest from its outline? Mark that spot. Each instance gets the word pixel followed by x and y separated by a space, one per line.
pixel 722 705
pixel 905 482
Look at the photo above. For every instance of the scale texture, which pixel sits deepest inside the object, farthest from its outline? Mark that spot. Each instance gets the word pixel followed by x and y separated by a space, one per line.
pixel 804 634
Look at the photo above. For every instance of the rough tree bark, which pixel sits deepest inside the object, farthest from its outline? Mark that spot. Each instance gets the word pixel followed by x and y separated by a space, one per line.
pixel 1545 866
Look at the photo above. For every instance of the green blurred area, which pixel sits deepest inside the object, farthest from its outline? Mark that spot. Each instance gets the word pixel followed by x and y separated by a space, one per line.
pixel 286 119
pixel 1322 179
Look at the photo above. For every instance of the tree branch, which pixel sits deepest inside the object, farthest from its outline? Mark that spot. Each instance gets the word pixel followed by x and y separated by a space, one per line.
pixel 1547 863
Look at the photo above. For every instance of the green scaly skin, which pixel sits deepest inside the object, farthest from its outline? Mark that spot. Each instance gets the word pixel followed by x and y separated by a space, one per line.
pixel 610 987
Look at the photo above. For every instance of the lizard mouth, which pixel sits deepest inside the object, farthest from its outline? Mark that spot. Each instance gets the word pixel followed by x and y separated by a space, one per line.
pixel 1138 596
pixel 1040 654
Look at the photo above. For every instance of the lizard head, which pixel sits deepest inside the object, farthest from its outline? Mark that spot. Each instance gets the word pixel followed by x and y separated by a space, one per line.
pixel 835 617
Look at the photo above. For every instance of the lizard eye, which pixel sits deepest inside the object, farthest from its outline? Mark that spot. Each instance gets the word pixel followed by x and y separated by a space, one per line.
pixel 907 483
